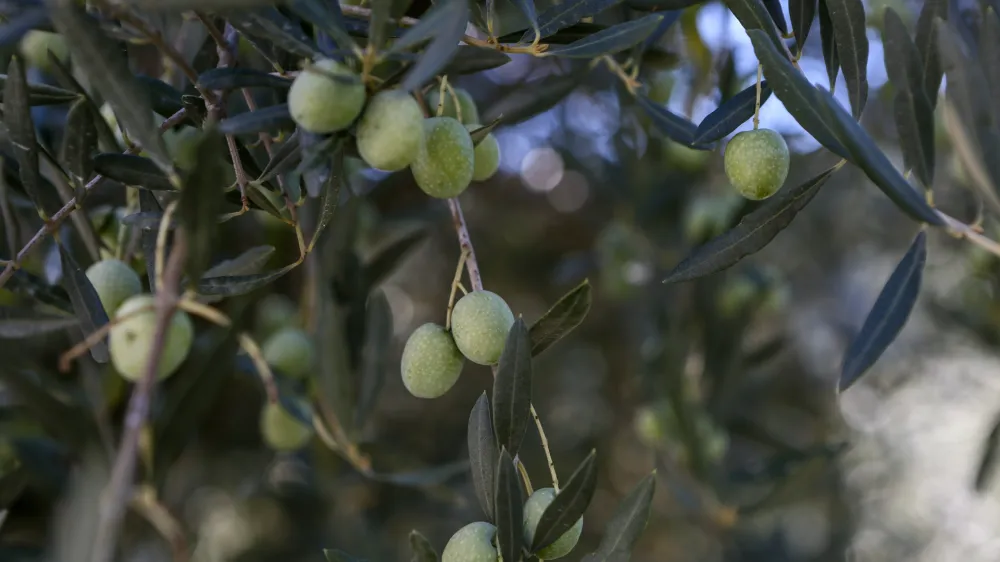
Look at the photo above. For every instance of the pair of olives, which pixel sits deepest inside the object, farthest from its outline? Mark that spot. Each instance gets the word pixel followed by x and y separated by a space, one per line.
pixel 392 133
pixel 476 542
pixel 433 357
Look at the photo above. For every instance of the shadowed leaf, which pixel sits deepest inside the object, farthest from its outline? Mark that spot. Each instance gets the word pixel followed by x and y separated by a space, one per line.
pixel 201 203
pixel 563 15
pixel 421 547
pixel 232 285
pixel 562 318
pixel 986 471
pixel 777 16
pixel 16 27
pixel 479 134
pixel 79 143
pixel 829 44
pixel 18 323
pixel 888 315
pixel 270 24
pixel 328 17
pixel 927 43
pixel 232 78
pixel 248 262
pixel 21 128
pixel 469 59
pixel 86 304
pixel 609 41
pixel 754 16
pixel 423 478
pixel 512 389
pixel 268 120
pixel 673 126
pixel 533 98
pixel 627 523
pixel 64 421
pixel 568 506
pixel 163 98
pixel 132 170
pixel 143 219
pixel 736 111
pixel 849 31
pixel 284 159
pixel 375 355
pixel 450 18
pixel 44 94
pixel 509 506
pixel 802 13
pixel 483 454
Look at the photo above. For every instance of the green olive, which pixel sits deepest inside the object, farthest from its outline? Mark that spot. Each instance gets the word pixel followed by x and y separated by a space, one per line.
pixel 486 155
pixel 461 101
pixel 326 97
pixel 445 161
pixel 131 339
pixel 533 510
pixel 480 322
pixel 282 430
pixel 390 131
pixel 115 282
pixel 431 362
pixel 757 163
pixel 290 350
pixel 472 543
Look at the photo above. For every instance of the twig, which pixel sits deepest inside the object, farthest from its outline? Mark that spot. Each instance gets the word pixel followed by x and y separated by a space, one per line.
pixel 116 495
pixel 454 287
pixel 62 214
pixel 545 447
pixel 756 108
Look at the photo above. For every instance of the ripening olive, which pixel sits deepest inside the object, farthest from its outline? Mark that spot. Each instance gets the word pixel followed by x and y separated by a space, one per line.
pixel 115 282
pixel 282 430
pixel 290 350
pixel 390 131
pixel 757 163
pixel 131 339
pixel 472 543
pixel 533 510
pixel 326 97
pixel 461 101
pixel 445 161
pixel 486 155
pixel 480 322
pixel 431 362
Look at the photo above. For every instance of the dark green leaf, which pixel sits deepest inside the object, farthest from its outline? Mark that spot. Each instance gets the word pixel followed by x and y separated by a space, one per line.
pixel 44 94
pixel 108 71
pixel 927 43
pixel 753 233
pixel 802 13
pixel 232 285
pixel 67 422
pixel 568 506
pixel 469 59
pixel 509 507
pixel 888 315
pixel 777 16
pixel 287 155
pixel 753 15
pixel 673 126
pixel 147 236
pixel 533 98
pixel 422 478
pixel 609 41
pixel 383 264
pixel 736 111
pixel 796 93
pixel 479 134
pixel 249 262
pixel 375 355
pixel 270 119
pixel 328 17
pixel 627 523
pixel 988 458
pixel 149 219
pixel 28 284
pixel 911 108
pixel 451 17
pixel 527 8
pixel 512 389
pixel 669 19
pixel 483 454
pixel 421 547
pixel 268 23
pixel 831 58
pixel 163 98
pixel 86 304
pixel 562 318
pixel 330 197
pixel 21 128
pixel 18 323
pixel 201 202
pixel 79 143
pixel 232 78
pixel 318 154
pixel 62 73
pixel 132 170
pixel 561 16
pixel 849 31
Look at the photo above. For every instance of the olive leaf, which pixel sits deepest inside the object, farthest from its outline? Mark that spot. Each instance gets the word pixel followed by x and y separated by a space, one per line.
pixel 674 126
pixel 533 98
pixel 450 17
pixel 802 13
pixel 755 17
pixel 79 142
pixel 200 203
pixel 16 323
pixel 564 316
pixel 470 59
pixel 610 40
pixel 889 314
pixel 389 258
pixel 509 506
pixel 44 94
pixel 626 524
pixel 328 17
pixel 287 155
pixel 163 98
pixel 849 31
pixel 86 302
pixel 481 133
pixel 248 262
pixel 232 285
pixel 421 547
pixel 568 506
pixel 483 454
pixel 269 119
pixel 133 170
pixel 777 16
pixel 831 58
pixel 562 15
pixel 270 24
pixel 731 114
pixel 147 236
pixel 927 43
pixel 232 78
pixel 512 389
pixel 986 471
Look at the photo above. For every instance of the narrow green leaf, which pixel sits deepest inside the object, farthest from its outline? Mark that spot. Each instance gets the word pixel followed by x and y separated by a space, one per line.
pixel 16 323
pixel 927 43
pixel 287 155
pixel 133 170
pixel 21 128
pixel 233 285
pixel 374 355
pixel 611 40
pixel 334 555
pixel 849 31
pixel 777 16
pixel 627 523
pixel 328 17
pixel 86 304
pixel 451 24
pixel 44 94
pixel 270 24
pixel 79 143
pixel 568 506
pixel 912 110
pixel 533 98
pixel 65 421
pixel 163 98
pixel 563 15
pixel 381 13
pixel 150 219
pixel 479 134
pixel 248 262
pixel 483 455
pixel 670 17
pixel 106 68
pixel 753 15
pixel 330 197
pixel 673 126
pixel 470 59
pixel 796 93
pixel 200 203
pixel 831 58
pixel 386 261
pixel 509 506
pixel 64 76
pixel 802 12
pixel 753 233
pixel 30 285
pixel 512 389
pixel 562 318
pixel 889 314
pixel 422 478
pixel 736 111
pixel 147 235
pixel 988 458
pixel 232 78
pixel 421 547
pixel 269 119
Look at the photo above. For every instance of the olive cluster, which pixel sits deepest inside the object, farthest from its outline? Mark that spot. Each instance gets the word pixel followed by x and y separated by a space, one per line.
pixel 392 132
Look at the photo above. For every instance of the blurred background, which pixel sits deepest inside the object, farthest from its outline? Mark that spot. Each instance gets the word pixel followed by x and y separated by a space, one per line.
pixel 725 386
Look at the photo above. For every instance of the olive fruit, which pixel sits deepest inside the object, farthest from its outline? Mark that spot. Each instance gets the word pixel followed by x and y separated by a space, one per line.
pixel 320 103
pixel 281 429
pixel 431 362
pixel 183 146
pixel 274 312
pixel 479 323
pixel 661 86
pixel 290 350
pixel 486 155
pixel 462 100
pixel 533 510
pixel 390 131
pixel 115 282
pixel 445 160
pixel 36 44
pixel 131 339
pixel 756 163
pixel 472 543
